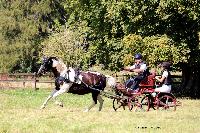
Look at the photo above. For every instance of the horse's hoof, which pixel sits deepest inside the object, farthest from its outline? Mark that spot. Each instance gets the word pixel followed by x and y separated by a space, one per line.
pixel 42 107
pixel 86 110
pixel 59 103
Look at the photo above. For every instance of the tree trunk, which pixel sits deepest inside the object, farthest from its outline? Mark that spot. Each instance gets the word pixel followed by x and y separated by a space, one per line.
pixel 190 86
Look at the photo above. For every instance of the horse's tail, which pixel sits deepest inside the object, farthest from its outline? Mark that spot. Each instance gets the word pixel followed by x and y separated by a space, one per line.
pixel 111 81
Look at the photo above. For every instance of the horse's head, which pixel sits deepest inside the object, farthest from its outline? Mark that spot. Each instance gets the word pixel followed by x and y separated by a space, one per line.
pixel 48 63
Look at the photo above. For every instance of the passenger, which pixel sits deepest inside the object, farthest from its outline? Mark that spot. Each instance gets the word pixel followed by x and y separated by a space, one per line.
pixel 165 78
pixel 140 68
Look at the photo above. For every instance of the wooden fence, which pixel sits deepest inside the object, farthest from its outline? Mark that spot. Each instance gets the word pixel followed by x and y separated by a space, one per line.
pixel 26 80
pixel 30 80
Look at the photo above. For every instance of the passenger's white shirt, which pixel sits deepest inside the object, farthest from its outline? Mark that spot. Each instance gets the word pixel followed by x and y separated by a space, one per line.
pixel 164 88
pixel 165 74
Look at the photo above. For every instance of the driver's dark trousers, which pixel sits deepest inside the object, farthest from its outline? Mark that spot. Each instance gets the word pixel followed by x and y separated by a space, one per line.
pixel 133 83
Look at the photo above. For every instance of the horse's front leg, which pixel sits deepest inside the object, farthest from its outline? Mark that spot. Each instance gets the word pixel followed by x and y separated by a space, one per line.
pixel 63 88
pixel 48 98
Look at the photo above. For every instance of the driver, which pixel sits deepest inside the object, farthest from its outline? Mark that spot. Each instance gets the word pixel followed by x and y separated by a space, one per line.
pixel 140 68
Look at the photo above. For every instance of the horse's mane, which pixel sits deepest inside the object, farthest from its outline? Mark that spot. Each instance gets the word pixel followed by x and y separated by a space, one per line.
pixel 61 65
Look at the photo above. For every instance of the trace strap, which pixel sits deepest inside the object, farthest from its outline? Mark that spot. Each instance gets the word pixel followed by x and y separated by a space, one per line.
pixel 108 95
pixel 90 86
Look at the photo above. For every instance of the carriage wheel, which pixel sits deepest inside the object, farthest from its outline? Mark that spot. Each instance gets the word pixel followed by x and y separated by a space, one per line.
pixel 166 102
pixel 130 104
pixel 133 102
pixel 145 103
pixel 118 103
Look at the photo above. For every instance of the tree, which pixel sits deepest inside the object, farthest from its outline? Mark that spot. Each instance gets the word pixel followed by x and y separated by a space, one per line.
pixel 69 45
pixel 181 20
pixel 176 21
pixel 24 24
pixel 155 49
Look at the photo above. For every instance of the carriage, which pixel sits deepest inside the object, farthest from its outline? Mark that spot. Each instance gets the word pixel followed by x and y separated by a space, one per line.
pixel 143 99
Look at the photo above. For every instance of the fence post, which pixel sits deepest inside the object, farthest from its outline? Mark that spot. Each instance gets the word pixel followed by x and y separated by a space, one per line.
pixel 35 81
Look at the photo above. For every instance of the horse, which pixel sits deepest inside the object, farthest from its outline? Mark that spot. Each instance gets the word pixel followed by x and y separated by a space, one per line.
pixel 74 81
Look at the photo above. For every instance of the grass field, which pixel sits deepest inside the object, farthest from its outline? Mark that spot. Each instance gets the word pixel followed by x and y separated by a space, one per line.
pixel 20 113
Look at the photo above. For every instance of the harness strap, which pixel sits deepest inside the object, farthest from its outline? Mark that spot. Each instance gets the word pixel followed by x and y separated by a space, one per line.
pixel 90 86
pixel 77 73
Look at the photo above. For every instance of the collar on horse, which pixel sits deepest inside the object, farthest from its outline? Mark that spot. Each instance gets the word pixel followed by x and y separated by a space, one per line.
pixel 65 76
pixel 76 77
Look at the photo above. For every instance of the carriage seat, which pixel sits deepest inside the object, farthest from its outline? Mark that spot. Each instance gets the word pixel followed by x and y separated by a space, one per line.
pixel 148 82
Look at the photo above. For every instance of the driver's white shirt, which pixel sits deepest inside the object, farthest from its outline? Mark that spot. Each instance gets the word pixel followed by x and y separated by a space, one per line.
pixel 143 66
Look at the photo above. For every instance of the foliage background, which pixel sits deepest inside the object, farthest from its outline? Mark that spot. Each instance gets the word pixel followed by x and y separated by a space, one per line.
pixel 89 32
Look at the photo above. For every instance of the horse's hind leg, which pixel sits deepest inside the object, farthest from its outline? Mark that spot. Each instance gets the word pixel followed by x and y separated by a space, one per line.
pixel 92 105
pixel 48 98
pixel 99 98
pixel 94 101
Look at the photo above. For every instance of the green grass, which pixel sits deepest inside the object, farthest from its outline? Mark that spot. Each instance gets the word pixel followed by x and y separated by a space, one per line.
pixel 20 113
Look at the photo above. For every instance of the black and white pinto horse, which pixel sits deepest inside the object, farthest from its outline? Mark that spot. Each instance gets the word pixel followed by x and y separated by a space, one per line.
pixel 74 81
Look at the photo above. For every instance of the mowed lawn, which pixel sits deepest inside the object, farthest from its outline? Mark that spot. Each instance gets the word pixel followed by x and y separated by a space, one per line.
pixel 20 113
